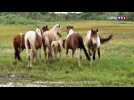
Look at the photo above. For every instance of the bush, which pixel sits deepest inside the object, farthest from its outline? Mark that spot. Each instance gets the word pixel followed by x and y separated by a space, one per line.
pixel 15 19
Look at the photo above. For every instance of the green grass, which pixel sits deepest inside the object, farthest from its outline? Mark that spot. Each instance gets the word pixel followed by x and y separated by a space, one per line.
pixel 115 68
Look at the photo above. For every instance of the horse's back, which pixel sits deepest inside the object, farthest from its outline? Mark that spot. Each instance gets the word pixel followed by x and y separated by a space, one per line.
pixel 74 41
pixel 18 41
pixel 38 42
pixel 30 37
pixel 50 36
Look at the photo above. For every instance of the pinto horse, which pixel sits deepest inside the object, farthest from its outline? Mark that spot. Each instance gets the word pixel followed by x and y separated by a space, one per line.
pixel 75 41
pixel 93 42
pixel 34 38
pixel 19 43
pixel 49 36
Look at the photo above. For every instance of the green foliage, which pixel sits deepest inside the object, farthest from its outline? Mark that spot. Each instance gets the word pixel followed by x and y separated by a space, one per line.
pixel 39 17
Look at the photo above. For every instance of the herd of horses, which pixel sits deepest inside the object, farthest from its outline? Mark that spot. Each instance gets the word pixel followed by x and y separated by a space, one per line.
pixel 52 43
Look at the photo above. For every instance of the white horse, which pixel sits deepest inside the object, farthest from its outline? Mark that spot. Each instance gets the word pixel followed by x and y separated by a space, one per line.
pixel 33 41
pixel 49 36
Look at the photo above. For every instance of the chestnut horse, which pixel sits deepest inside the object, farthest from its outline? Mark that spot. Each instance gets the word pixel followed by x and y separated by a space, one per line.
pixel 93 42
pixel 75 41
pixel 19 43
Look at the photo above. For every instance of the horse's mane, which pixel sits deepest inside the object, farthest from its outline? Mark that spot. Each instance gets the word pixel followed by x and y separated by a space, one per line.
pixel 38 31
pixel 54 27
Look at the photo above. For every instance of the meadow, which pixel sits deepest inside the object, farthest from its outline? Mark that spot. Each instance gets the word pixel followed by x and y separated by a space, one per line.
pixel 115 68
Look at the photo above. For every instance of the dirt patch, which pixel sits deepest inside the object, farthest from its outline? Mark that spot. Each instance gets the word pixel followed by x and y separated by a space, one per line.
pixel 45 84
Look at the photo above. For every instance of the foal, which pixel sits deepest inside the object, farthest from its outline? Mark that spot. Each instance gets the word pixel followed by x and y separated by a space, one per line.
pixel 57 47
pixel 75 41
pixel 93 42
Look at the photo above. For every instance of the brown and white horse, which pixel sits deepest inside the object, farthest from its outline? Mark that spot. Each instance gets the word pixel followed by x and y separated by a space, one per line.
pixel 34 38
pixel 49 36
pixel 19 43
pixel 75 41
pixel 93 42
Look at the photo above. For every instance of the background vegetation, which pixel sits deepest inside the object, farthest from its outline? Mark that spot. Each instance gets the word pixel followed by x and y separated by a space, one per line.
pixel 38 17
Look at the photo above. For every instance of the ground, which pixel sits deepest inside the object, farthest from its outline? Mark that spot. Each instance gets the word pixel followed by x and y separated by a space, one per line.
pixel 115 68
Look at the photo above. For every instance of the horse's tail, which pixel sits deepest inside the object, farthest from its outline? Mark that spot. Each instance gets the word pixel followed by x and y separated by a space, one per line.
pixel 27 45
pixel 103 40
pixel 85 51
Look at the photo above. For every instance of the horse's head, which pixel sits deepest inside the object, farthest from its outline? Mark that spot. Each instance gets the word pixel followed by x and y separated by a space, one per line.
pixel 94 38
pixel 57 29
pixel 94 32
pixel 69 27
pixel 45 28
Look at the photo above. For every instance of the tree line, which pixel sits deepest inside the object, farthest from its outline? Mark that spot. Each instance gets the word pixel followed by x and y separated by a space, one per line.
pixel 31 17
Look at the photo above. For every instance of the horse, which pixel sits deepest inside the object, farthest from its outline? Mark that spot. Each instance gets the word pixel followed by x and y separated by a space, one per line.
pixel 57 47
pixel 51 35
pixel 19 43
pixel 75 41
pixel 93 42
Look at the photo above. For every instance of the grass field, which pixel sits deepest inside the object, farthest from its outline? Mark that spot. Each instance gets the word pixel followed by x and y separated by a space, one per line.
pixel 115 68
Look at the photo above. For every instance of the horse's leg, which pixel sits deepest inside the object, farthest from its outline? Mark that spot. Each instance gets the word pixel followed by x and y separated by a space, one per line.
pixel 34 55
pixel 56 52
pixel 98 52
pixel 73 51
pixel 45 52
pixel 17 55
pixel 59 53
pixel 49 52
pixel 40 57
pixel 89 51
pixel 38 54
pixel 80 53
pixel 28 53
pixel 53 52
pixel 66 51
pixel 78 57
pixel 90 54
pixel 94 54
pixel 29 56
